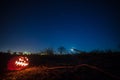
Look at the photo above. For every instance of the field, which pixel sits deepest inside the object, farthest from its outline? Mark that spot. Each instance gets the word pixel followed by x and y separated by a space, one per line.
pixel 65 67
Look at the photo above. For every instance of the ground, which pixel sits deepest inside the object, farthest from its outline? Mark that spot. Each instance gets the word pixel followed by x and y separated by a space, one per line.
pixel 78 72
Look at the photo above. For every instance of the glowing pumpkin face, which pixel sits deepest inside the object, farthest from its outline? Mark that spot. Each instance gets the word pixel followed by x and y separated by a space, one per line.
pixel 18 63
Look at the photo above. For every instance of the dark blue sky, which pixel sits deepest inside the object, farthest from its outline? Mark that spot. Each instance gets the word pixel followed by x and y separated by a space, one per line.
pixel 33 25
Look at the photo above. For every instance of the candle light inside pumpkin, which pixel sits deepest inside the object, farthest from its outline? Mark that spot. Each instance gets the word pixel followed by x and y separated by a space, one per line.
pixel 18 63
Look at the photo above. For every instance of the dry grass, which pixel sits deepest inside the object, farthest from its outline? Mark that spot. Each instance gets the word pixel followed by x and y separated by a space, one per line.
pixel 26 74
pixel 80 72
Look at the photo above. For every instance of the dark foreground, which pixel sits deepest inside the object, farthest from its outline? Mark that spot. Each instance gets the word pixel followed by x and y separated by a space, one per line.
pixel 79 72
pixel 92 66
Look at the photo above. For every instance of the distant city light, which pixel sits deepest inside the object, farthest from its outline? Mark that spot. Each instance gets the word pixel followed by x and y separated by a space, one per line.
pixel 72 49
pixel 27 53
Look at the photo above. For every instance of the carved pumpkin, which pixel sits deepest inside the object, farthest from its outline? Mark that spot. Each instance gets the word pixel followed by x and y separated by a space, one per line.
pixel 18 63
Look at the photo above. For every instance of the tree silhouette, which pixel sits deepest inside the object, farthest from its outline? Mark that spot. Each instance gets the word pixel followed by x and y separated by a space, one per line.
pixel 49 51
pixel 62 50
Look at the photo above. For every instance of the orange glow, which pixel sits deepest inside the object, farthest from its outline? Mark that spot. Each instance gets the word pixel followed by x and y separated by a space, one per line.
pixel 22 61
pixel 18 63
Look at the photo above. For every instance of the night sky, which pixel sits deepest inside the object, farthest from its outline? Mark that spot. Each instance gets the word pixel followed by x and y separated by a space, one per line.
pixel 30 25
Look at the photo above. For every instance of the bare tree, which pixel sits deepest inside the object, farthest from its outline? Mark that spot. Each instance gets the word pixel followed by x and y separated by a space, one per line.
pixel 62 50
pixel 49 51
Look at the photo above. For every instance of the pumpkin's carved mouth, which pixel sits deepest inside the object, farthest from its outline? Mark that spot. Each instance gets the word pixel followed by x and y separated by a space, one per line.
pixel 22 61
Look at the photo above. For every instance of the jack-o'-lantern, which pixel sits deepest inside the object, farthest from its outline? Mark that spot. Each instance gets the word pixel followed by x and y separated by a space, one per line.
pixel 18 63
